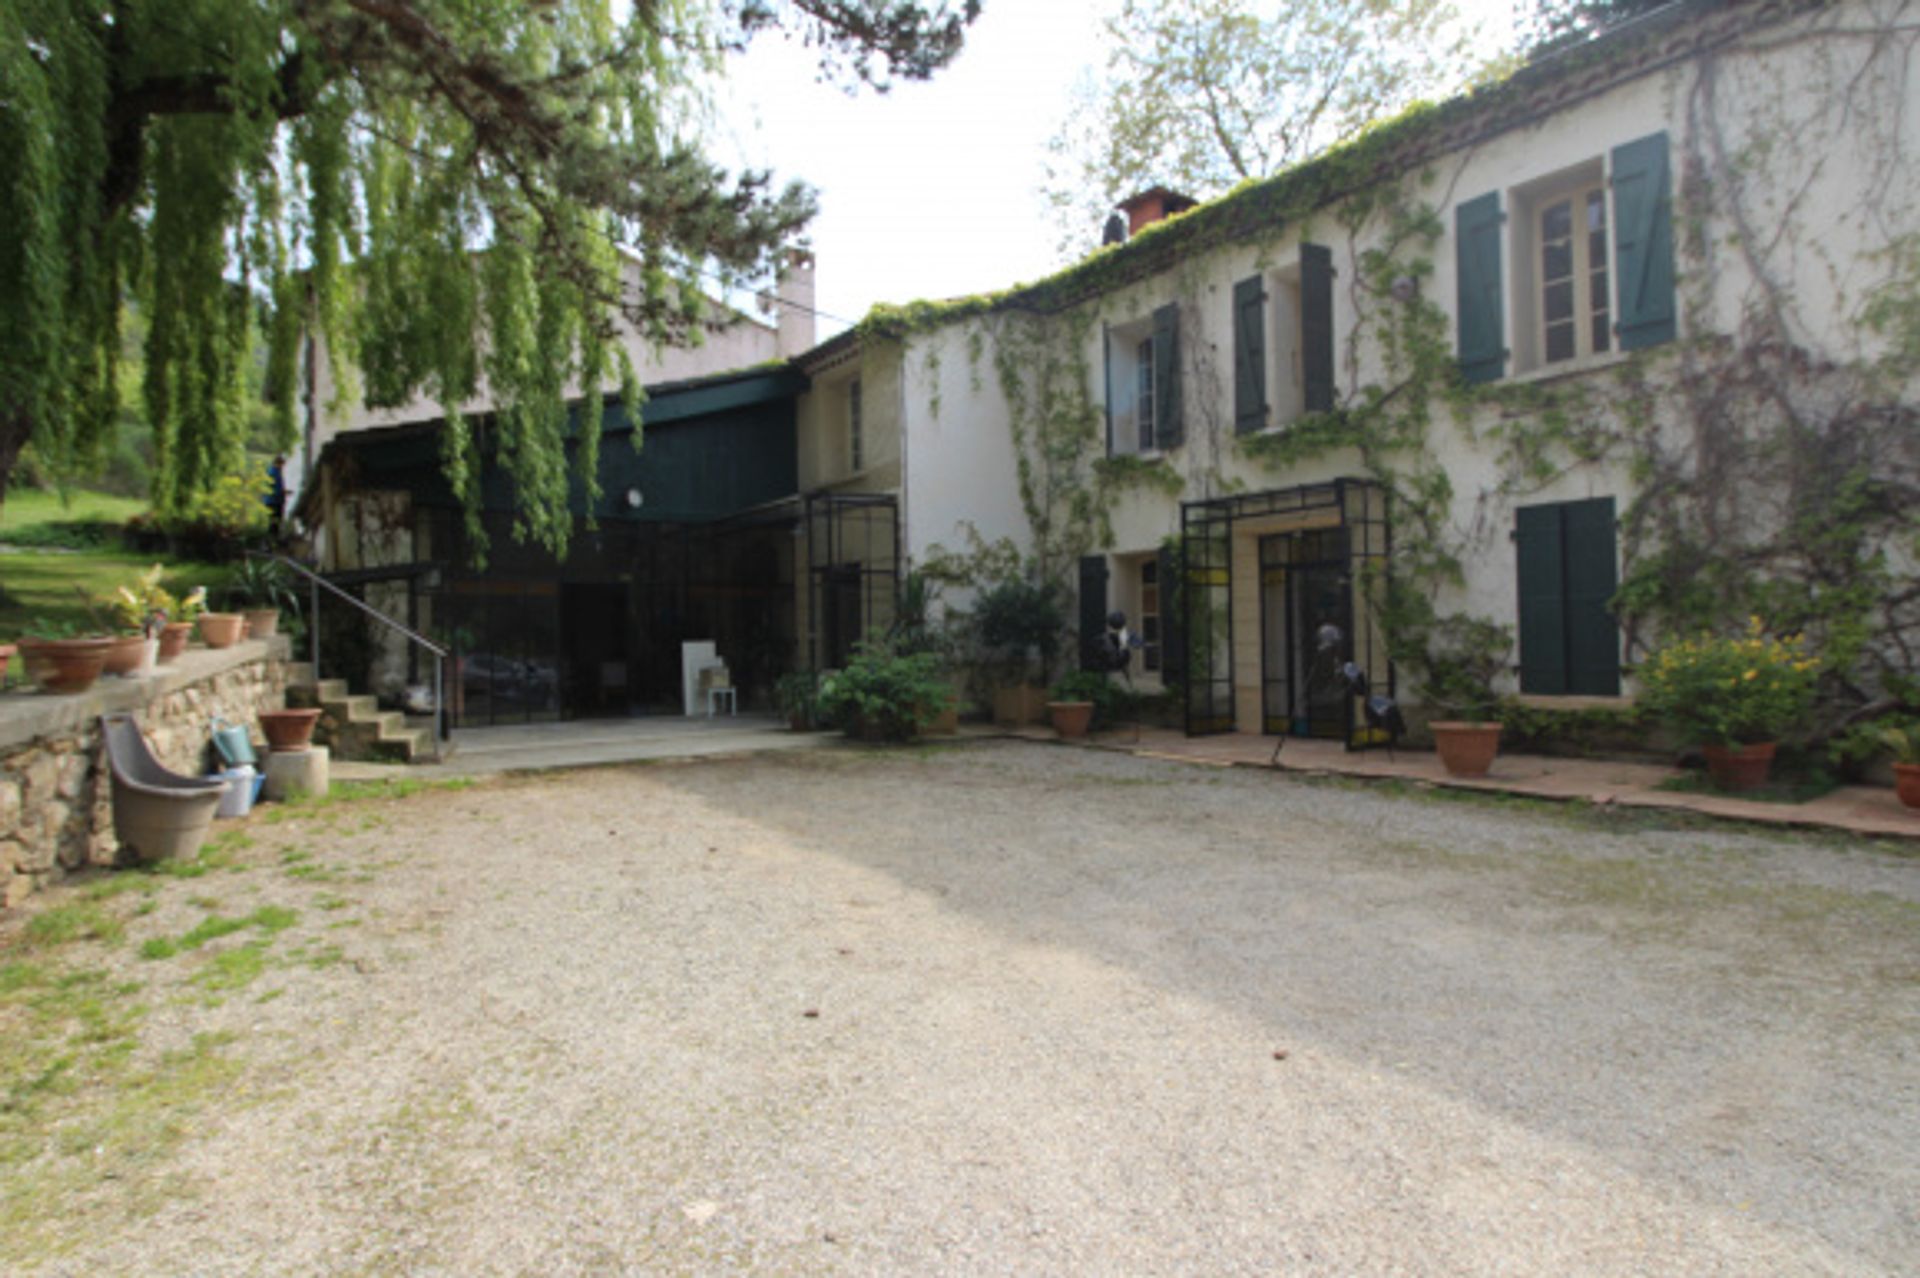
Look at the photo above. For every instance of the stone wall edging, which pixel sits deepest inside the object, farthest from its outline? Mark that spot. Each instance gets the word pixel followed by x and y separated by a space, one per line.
pixel 56 813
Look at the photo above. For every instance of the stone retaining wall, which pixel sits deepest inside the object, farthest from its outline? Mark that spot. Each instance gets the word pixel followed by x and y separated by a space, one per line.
pixel 55 797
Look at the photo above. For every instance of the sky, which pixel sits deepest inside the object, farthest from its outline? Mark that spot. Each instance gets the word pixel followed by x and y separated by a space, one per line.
pixel 932 190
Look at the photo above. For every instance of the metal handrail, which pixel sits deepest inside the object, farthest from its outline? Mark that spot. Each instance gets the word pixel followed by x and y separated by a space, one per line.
pixel 313 632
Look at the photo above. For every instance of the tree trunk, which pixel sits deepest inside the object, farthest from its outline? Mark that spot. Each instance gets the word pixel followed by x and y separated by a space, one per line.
pixel 16 427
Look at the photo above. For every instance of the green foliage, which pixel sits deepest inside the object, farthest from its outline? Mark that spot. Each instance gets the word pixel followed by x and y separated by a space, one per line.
pixel 1201 95
pixel 889 694
pixel 797 696
pixel 262 583
pixel 441 189
pixel 1731 690
pixel 1593 731
pixel 1903 742
pixel 1110 701
pixel 1020 625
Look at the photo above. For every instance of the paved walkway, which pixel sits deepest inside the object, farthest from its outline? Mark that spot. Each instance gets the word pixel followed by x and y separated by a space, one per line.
pixel 582 743
pixel 1869 810
pixel 1866 810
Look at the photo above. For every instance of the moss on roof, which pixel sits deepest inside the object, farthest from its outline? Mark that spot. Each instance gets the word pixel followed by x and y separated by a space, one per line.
pixel 1384 149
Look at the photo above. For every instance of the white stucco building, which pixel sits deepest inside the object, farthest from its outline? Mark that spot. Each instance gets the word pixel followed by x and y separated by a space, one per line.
pixel 1622 250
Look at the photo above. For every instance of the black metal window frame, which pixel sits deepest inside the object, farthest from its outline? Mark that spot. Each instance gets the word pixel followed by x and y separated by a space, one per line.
pixel 1205 594
pixel 840 531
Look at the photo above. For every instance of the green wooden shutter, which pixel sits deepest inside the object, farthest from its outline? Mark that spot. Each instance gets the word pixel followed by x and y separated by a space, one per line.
pixel 1316 327
pixel 1249 355
pixel 1543 599
pixel 1173 621
pixel 1643 242
pixel 1093 610
pixel 1168 429
pixel 1481 315
pixel 1592 577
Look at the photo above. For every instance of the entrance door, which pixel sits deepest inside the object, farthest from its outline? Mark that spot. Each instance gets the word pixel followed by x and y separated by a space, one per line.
pixel 1306 616
pixel 598 679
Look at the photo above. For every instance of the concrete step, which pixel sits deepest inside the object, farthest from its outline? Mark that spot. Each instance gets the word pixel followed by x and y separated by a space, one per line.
pixel 331 690
pixel 299 674
pixel 402 745
pixel 353 709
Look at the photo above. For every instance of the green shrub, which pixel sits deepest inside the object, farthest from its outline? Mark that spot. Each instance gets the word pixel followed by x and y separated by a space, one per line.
pixel 1731 691
pixel 1110 700
pixel 797 696
pixel 885 693
pixel 1020 625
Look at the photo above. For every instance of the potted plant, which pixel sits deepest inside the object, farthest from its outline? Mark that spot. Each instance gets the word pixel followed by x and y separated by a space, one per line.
pixel 62 657
pixel 180 622
pixel 219 629
pixel 1019 625
pixel 6 660
pixel 914 630
pixel 1080 701
pixel 261 589
pixel 1460 658
pixel 1734 697
pixel 1904 741
pixel 797 696
pixel 884 695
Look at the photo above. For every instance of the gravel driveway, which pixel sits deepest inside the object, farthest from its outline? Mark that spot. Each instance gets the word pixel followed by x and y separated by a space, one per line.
pixel 1013 1008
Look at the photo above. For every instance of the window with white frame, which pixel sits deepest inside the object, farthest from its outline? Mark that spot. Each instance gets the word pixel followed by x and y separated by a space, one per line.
pixel 856 430
pixel 1150 614
pixel 1143 384
pixel 1570 229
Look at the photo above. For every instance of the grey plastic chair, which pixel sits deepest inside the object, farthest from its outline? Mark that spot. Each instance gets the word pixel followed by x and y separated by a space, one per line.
pixel 157 813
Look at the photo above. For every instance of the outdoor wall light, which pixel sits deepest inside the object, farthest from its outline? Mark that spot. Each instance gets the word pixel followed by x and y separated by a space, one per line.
pixel 1403 288
pixel 633 499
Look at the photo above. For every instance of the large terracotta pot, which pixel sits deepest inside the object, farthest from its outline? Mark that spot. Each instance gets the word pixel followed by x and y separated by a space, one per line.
pixel 173 639
pixel 262 623
pixel 6 658
pixel 1070 718
pixel 1906 783
pixel 1465 749
pixel 1017 704
pixel 221 629
pixel 1741 767
pixel 289 729
pixel 125 653
pixel 64 665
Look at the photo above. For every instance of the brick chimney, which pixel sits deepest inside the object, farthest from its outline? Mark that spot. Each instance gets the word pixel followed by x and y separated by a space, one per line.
pixel 1151 205
pixel 794 307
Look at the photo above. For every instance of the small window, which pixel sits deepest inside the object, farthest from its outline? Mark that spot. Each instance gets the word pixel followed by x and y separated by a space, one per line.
pixel 1574 313
pixel 1150 615
pixel 856 438
pixel 1143 395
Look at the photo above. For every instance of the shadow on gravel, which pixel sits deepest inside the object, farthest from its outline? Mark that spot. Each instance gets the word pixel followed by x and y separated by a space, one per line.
pixel 1734 1014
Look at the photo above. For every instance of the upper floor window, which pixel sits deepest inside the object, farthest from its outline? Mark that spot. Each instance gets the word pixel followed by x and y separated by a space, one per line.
pixel 1277 378
pixel 1591 249
pixel 856 431
pixel 1143 384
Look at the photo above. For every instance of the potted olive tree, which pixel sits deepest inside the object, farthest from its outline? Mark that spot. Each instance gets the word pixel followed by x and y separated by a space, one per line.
pixel 1019 625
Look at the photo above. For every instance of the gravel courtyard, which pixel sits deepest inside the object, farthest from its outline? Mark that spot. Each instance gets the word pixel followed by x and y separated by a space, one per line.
pixel 1015 1008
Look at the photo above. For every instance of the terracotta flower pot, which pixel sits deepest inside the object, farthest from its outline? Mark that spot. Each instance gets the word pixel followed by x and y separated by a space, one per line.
pixel 125 653
pixel 262 623
pixel 1465 749
pixel 6 658
pixel 221 629
pixel 64 665
pixel 173 639
pixel 289 729
pixel 1019 703
pixel 1740 767
pixel 1906 783
pixel 1070 718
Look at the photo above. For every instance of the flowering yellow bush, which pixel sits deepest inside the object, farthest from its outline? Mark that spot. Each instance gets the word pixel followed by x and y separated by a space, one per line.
pixel 1731 691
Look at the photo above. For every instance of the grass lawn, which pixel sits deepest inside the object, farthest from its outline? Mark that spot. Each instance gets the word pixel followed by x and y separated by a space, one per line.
pixel 28 507
pixel 40 585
